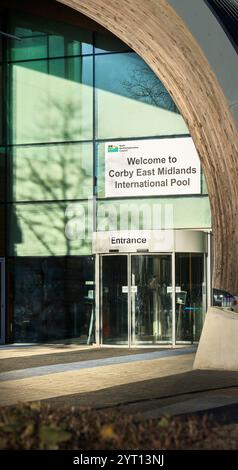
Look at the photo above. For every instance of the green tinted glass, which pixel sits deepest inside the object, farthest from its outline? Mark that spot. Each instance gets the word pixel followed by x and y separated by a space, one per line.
pixel 1 109
pixel 24 25
pixel 42 173
pixel 52 299
pixel 34 47
pixel 70 44
pixel 106 42
pixel 2 229
pixel 0 42
pixel 46 46
pixel 41 38
pixel 50 229
pixel 154 214
pixel 2 174
pixel 51 101
pixel 131 100
pixel 190 315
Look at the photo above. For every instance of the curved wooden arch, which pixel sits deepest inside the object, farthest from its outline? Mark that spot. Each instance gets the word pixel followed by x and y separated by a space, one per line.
pixel 159 36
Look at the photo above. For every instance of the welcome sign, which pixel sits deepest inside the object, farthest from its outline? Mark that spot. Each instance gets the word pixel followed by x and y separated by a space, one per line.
pixel 153 167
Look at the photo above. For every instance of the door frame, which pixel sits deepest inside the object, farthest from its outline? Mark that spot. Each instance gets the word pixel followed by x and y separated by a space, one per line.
pixel 2 306
pixel 99 296
pixel 130 332
pixel 99 283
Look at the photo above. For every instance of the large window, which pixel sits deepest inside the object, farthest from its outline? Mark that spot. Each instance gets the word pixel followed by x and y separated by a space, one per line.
pixel 190 296
pixel 152 214
pixel 3 230
pixel 52 298
pixel 1 99
pixel 41 39
pixel 51 101
pixel 131 101
pixel 50 229
pixel 2 174
pixel 50 172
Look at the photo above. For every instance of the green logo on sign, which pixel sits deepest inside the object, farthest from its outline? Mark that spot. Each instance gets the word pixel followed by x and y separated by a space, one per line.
pixel 113 148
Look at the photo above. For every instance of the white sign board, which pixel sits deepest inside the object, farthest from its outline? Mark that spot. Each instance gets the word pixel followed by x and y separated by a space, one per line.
pixel 170 289
pixel 134 239
pixel 153 167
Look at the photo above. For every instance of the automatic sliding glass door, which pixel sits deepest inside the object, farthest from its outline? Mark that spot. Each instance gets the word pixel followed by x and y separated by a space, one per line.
pixel 151 299
pixel 136 299
pixel 114 299
pixel 143 303
pixel 190 296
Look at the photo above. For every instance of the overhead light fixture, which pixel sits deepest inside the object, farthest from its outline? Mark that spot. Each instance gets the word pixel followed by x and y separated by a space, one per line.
pixel 10 36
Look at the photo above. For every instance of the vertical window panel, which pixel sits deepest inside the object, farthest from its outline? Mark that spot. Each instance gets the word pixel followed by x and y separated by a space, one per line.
pixel 50 229
pixel 131 100
pixel 51 101
pixel 106 43
pixel 51 299
pixel 190 299
pixel 1 103
pixel 2 230
pixel 28 48
pixel 154 213
pixel 2 174
pixel 50 172
pixel 42 38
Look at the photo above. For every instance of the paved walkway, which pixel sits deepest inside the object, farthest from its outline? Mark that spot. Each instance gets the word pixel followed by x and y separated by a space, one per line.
pixel 152 382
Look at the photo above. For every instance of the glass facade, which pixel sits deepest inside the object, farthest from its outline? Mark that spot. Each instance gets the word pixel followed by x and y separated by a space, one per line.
pixel 137 298
pixel 50 229
pixel 51 100
pixel 151 303
pixel 67 90
pixel 59 172
pixel 127 88
pixel 3 230
pixel 160 213
pixel 52 298
pixel 191 296
pixel 137 303
pixel 114 300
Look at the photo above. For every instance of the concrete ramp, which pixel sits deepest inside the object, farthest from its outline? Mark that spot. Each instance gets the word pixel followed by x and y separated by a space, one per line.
pixel 218 346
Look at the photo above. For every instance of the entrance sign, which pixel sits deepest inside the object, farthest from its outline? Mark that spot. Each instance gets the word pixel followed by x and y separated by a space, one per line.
pixel 156 241
pixel 154 167
pixel 134 239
